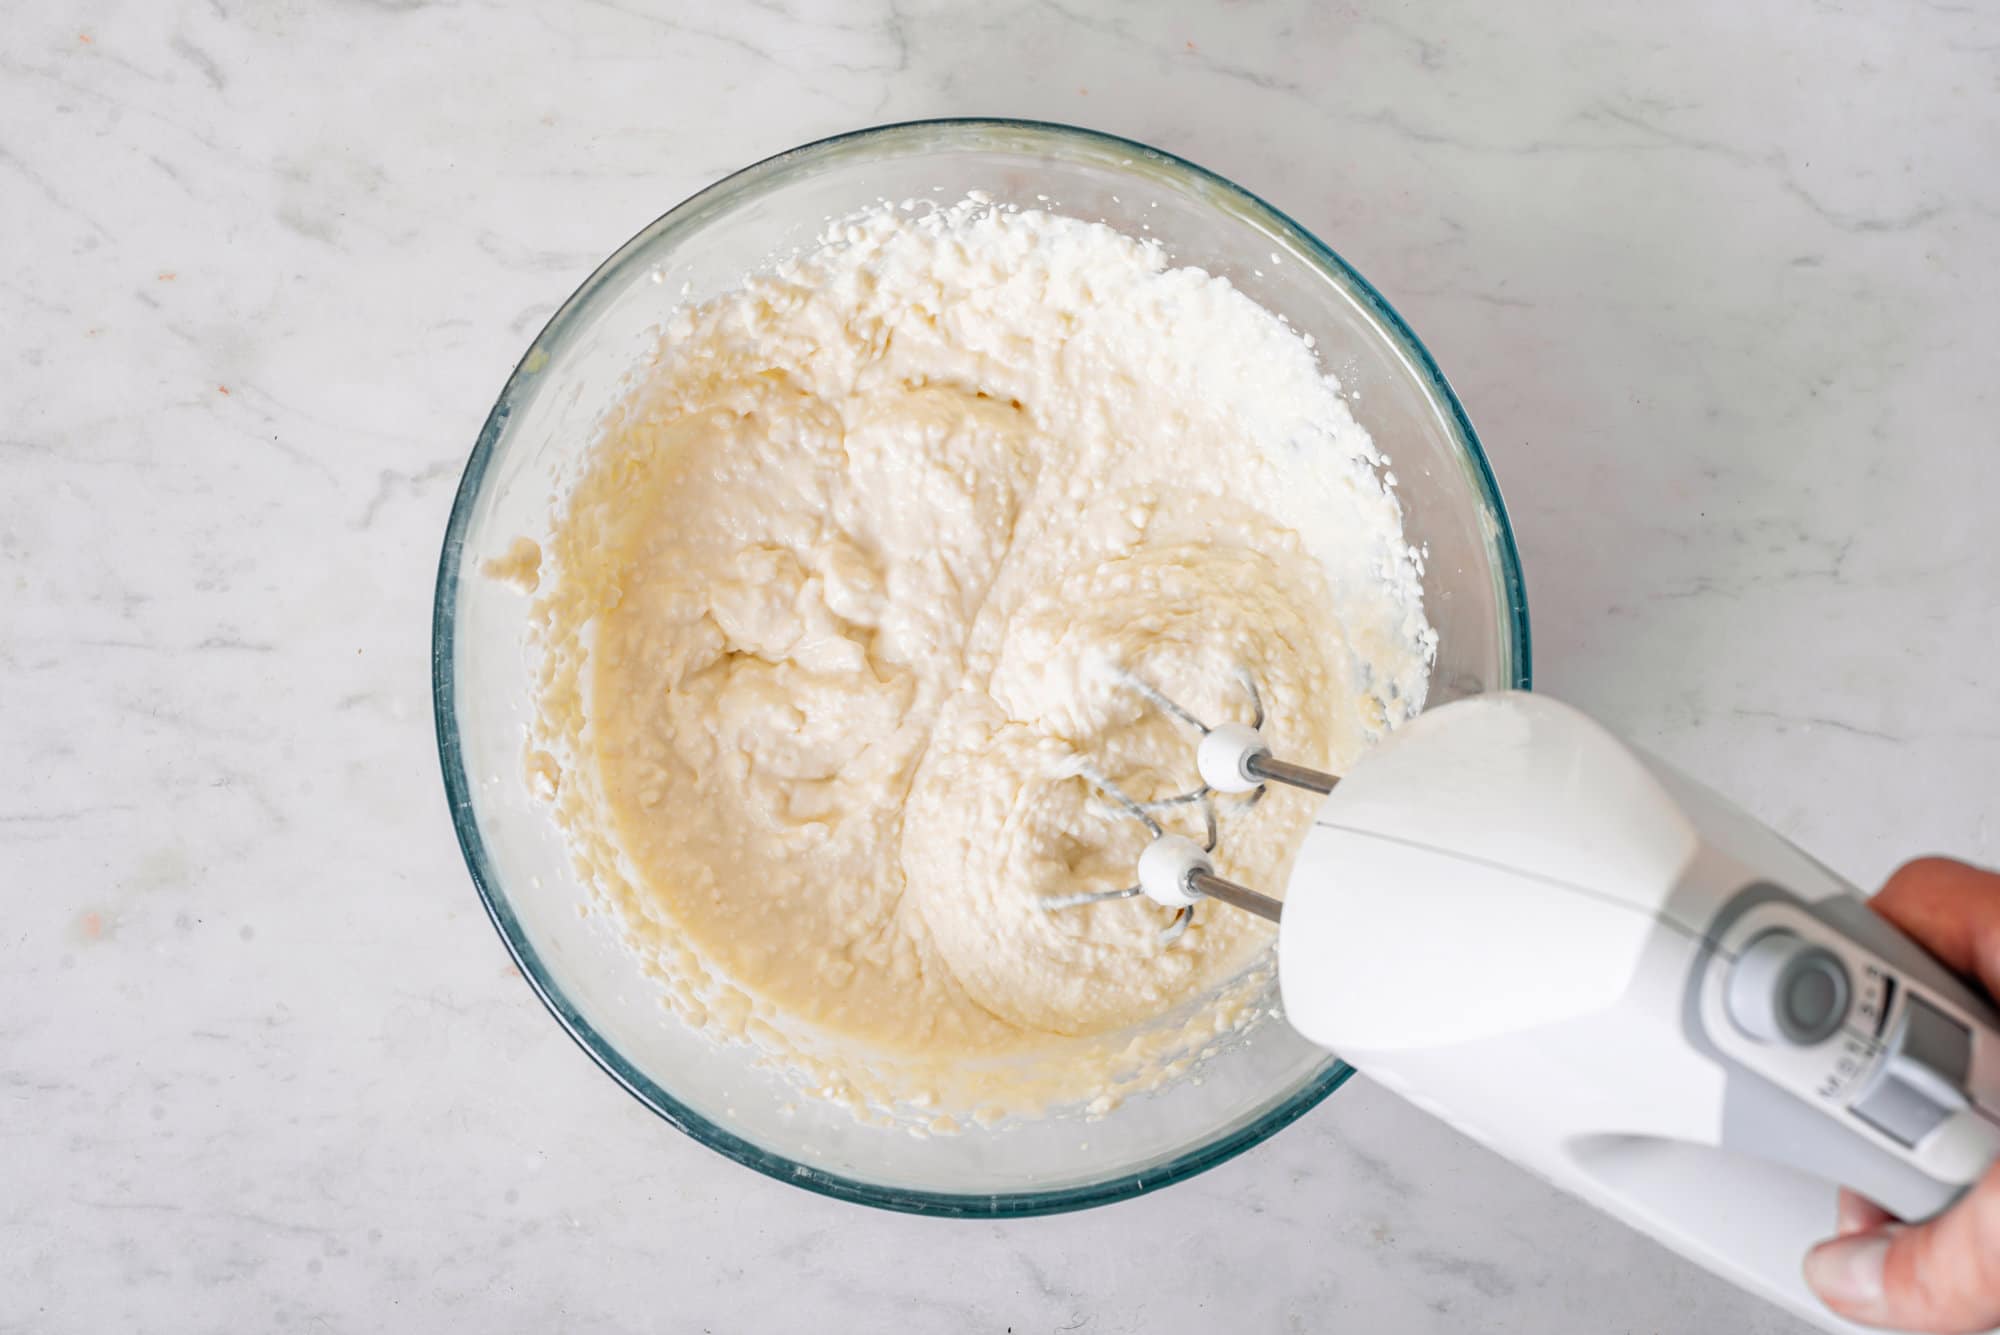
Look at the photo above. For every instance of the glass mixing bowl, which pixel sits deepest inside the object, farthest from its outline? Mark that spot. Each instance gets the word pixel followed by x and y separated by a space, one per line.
pixel 547 417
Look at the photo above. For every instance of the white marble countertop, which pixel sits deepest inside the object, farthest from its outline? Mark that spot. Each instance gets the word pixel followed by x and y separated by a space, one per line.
pixel 1715 280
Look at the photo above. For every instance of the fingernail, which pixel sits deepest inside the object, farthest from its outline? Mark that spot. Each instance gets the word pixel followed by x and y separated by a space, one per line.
pixel 1847 1273
pixel 1856 1214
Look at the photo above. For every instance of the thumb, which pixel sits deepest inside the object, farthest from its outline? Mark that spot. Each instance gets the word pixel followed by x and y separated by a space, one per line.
pixel 1941 1276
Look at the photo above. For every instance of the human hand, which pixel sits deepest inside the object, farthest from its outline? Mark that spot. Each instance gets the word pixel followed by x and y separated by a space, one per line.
pixel 1943 1275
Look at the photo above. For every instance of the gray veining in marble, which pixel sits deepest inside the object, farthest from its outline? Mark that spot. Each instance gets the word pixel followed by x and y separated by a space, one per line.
pixel 1717 281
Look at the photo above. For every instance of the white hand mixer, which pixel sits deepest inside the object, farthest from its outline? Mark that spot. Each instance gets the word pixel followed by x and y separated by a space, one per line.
pixel 1588 962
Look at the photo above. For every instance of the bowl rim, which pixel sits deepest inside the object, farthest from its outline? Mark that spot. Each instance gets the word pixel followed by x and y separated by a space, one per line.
pixel 458 788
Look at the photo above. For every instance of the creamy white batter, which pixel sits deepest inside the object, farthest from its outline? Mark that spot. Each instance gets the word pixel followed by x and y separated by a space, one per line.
pixel 830 620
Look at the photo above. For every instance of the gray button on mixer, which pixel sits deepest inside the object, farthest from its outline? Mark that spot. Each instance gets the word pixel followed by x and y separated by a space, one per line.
pixel 1784 989
pixel 1815 999
pixel 1922 1082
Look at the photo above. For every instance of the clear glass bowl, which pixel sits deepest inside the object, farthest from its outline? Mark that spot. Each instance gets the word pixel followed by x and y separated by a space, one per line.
pixel 547 418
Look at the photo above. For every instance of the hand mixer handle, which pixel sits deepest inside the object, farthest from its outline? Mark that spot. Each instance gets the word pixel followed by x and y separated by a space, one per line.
pixel 1607 972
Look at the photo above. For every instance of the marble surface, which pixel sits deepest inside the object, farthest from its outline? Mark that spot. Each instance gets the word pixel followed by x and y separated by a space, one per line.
pixel 1715 280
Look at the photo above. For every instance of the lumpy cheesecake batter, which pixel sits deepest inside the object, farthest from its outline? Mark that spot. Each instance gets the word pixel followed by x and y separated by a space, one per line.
pixel 833 618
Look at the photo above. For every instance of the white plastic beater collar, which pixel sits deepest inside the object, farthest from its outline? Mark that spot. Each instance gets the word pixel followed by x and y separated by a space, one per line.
pixel 1167 868
pixel 1224 754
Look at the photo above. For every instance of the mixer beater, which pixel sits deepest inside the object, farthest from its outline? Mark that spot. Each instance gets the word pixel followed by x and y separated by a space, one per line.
pixel 1175 872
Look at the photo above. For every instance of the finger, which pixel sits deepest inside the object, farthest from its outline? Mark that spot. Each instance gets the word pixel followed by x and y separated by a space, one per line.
pixel 1950 909
pixel 1858 1214
pixel 1941 1276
